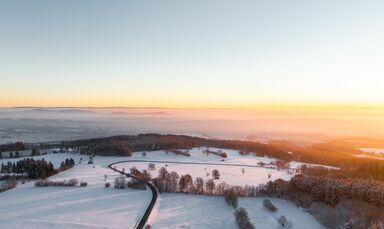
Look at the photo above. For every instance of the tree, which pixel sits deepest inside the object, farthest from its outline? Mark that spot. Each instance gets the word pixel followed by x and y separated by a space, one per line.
pixel 268 205
pixel 174 178
pixel 146 175
pixel 182 183
pixel 163 180
pixel 210 186
pixel 120 182
pixel 242 219
pixel 35 152
pixel 189 182
pixel 215 174
pixel 199 185
pixel 284 222
pixel 231 197
pixel 162 172
pixel 151 166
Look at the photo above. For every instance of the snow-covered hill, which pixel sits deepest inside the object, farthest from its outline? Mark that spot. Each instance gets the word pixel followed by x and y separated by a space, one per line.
pixel 95 206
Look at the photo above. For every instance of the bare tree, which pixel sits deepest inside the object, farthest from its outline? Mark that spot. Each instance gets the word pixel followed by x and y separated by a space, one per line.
pixel 210 186
pixel 215 174
pixel 199 185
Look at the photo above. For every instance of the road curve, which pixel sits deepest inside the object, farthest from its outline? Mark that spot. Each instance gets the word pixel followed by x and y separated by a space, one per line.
pixel 151 205
pixel 194 163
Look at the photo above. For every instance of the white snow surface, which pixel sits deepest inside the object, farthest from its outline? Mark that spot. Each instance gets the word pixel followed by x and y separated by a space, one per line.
pixel 229 174
pixel 95 206
pixel 373 150
pixel 211 212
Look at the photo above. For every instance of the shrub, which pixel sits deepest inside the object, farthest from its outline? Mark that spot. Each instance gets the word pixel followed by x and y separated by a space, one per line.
pixel 135 184
pixel 47 183
pixel 83 183
pixel 242 219
pixel 284 222
pixel 9 184
pixel 72 182
pixel 179 152
pixel 107 185
pixel 268 205
pixel 231 197
pixel 215 174
pixel 151 166
pixel 120 182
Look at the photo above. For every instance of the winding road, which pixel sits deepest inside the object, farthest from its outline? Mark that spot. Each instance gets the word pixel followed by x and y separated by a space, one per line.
pixel 151 205
pixel 144 219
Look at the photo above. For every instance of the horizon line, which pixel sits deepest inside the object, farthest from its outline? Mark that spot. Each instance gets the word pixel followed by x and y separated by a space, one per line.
pixel 258 106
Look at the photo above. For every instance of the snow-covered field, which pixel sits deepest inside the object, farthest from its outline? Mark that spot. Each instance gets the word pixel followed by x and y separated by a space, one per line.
pixel 264 219
pixel 230 174
pixel 190 211
pixel 373 153
pixel 95 206
pixel 373 150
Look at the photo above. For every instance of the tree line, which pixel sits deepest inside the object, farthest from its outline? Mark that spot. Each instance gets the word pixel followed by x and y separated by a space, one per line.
pixel 322 194
pixel 30 168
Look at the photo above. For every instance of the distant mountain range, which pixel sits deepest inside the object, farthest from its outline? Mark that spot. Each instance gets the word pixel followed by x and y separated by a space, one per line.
pixel 143 113
pixel 45 110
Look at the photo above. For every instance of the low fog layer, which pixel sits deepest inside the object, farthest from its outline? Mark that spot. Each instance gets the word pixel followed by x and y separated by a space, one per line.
pixel 300 126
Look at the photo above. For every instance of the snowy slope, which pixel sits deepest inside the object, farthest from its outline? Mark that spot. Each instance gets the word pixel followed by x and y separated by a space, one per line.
pixel 205 212
pixel 97 207
pixel 93 206
pixel 264 219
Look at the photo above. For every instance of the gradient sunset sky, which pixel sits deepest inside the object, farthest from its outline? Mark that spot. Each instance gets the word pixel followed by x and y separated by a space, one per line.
pixel 196 53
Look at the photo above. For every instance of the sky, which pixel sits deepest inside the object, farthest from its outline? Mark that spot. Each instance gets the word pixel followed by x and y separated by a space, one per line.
pixel 192 54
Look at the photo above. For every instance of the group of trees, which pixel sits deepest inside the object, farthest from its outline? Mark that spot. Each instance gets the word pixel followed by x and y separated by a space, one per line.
pixel 67 164
pixel 125 144
pixel 173 182
pixel 70 183
pixel 108 149
pixel 179 152
pixel 120 182
pixel 307 190
pixel 218 153
pixel 28 168
pixel 363 170
pixel 32 169
pixel 16 146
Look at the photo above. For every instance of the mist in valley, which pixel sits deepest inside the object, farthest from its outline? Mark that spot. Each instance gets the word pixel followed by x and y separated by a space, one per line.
pixel 302 126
